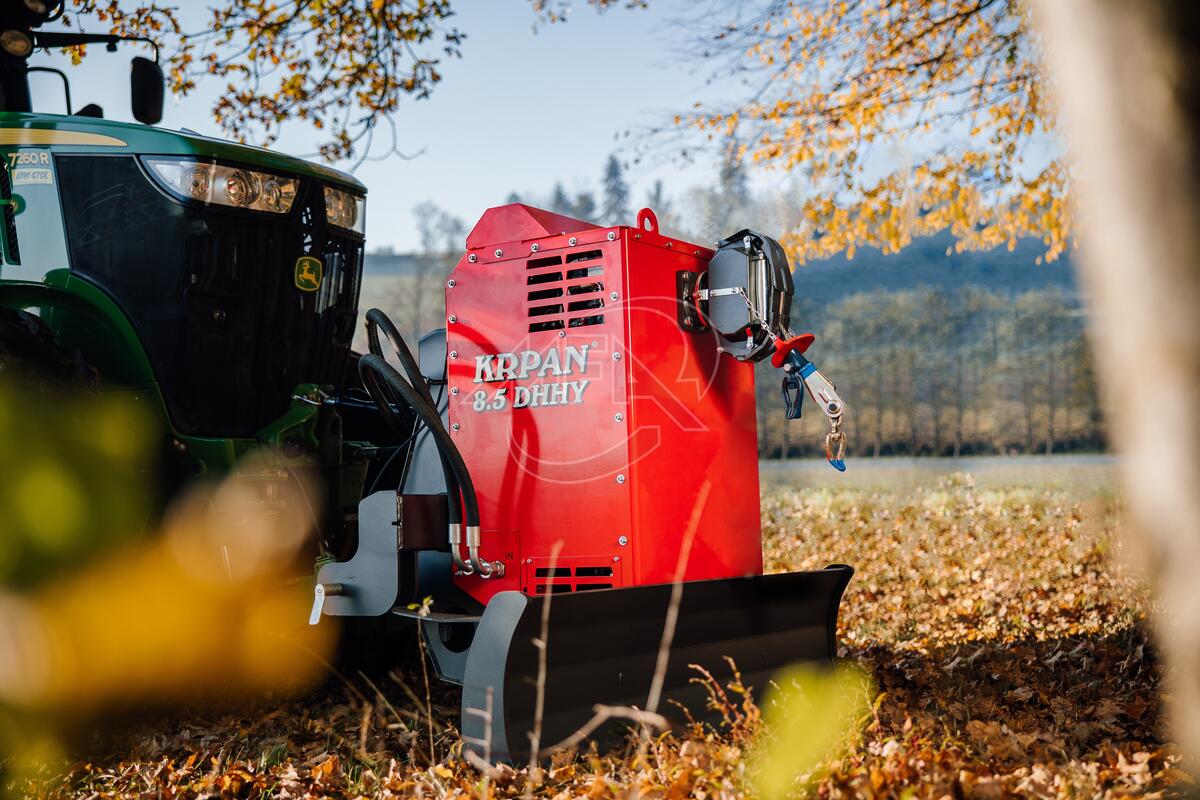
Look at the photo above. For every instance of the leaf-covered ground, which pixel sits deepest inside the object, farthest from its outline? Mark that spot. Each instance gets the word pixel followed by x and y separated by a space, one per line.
pixel 1007 645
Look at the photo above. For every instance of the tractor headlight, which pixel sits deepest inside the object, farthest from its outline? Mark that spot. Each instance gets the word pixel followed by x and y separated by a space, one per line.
pixel 224 185
pixel 344 210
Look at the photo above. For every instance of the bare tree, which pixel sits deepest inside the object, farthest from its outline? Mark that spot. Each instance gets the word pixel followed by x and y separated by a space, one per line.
pixel 1127 75
pixel 417 298
pixel 428 220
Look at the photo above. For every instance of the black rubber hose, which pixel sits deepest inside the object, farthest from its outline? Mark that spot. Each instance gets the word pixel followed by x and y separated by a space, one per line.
pixel 373 370
pixel 376 320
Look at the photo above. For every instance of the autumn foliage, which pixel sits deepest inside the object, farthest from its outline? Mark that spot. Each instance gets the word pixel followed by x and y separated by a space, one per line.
pixel 1005 643
pixel 343 66
pixel 901 118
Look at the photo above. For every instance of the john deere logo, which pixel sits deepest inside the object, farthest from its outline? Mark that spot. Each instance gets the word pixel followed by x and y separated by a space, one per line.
pixel 308 273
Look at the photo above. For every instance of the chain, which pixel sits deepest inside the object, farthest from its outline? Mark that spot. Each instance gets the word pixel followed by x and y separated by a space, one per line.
pixel 835 441
pixel 705 294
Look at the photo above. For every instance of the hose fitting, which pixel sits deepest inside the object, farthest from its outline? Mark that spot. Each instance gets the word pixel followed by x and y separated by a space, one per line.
pixel 486 569
pixel 464 567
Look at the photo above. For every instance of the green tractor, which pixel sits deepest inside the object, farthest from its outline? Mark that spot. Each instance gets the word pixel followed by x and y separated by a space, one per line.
pixel 218 283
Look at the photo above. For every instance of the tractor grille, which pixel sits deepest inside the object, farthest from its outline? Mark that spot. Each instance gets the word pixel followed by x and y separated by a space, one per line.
pixel 566 295
pixel 211 292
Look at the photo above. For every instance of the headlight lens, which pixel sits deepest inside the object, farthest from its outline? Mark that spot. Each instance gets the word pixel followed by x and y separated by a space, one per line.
pixel 345 210
pixel 224 185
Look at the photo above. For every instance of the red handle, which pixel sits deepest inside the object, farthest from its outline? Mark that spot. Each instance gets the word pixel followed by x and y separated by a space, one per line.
pixel 784 346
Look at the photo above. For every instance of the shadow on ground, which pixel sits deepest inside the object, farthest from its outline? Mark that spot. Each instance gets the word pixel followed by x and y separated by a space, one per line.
pixel 1030 717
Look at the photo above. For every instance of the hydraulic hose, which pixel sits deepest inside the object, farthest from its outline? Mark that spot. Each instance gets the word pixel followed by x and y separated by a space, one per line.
pixel 377 374
pixel 376 319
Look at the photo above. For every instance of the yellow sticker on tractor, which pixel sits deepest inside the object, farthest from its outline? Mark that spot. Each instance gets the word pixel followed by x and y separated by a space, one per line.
pixel 309 272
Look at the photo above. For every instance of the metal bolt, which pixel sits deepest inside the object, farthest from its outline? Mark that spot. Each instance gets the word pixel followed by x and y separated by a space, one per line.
pixel 613 296
pixel 453 319
pixel 616 559
pixel 612 235
pixel 450 283
pixel 618 417
pixel 695 252
pixel 562 334
pixel 616 356
pixel 455 427
pixel 572 241
pixel 621 478
pixel 499 252
pixel 454 354
pixel 529 561
pixel 668 244
pixel 472 258
pixel 624 540
pixel 219 315
pixel 533 248
pixel 454 391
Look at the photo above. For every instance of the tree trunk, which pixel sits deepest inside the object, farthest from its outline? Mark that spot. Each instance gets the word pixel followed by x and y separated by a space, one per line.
pixel 1053 365
pixel 912 430
pixel 935 404
pixel 914 403
pixel 1027 403
pixel 879 408
pixel 416 307
pixel 787 441
pixel 959 398
pixel 1127 75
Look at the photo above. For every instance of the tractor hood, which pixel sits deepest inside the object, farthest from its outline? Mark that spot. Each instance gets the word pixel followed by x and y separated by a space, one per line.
pixel 86 134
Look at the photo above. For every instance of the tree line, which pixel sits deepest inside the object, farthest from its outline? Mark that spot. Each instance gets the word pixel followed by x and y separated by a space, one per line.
pixel 936 372
pixel 971 370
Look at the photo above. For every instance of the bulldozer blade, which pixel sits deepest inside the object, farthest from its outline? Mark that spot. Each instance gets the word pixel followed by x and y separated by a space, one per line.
pixel 602 647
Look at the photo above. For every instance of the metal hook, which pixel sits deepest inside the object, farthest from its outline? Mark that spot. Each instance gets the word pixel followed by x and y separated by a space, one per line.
pixel 835 442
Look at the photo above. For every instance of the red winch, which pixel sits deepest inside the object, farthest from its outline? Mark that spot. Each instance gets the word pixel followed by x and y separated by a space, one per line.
pixel 594 434
pixel 587 414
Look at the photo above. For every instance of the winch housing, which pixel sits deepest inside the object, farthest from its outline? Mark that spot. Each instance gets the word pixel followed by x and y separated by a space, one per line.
pixel 591 420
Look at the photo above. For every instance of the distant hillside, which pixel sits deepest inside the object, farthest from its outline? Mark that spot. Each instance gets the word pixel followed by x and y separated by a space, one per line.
pixel 923 263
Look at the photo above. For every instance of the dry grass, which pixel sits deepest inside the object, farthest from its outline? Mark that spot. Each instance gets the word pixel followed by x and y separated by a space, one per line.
pixel 1007 646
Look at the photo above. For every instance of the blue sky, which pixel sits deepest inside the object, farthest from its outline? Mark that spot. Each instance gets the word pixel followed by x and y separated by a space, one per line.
pixel 519 111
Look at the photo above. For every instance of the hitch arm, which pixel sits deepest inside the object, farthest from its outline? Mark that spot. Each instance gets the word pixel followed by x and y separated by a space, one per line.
pixel 797 371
